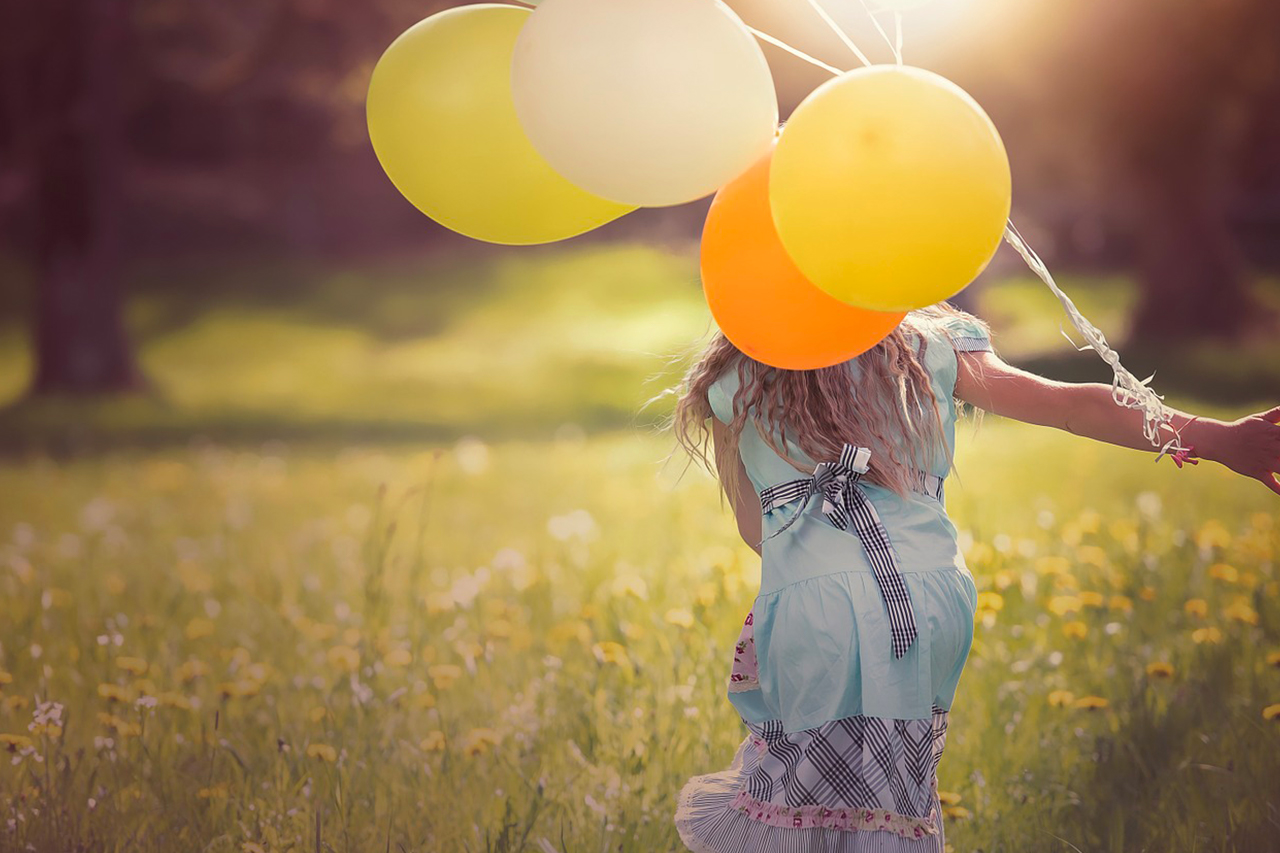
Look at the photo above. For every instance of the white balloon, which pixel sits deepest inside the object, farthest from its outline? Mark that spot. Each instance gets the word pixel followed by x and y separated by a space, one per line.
pixel 643 102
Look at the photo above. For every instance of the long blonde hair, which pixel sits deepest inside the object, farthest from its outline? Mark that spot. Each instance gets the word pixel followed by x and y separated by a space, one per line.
pixel 821 410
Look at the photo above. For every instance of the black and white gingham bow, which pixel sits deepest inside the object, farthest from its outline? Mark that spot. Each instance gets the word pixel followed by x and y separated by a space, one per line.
pixel 844 501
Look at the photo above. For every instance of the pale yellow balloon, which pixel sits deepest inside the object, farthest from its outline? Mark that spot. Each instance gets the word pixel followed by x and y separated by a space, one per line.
pixel 646 102
pixel 890 188
pixel 444 127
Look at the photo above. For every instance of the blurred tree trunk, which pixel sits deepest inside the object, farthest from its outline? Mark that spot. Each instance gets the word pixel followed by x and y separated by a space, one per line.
pixel 78 165
pixel 1190 270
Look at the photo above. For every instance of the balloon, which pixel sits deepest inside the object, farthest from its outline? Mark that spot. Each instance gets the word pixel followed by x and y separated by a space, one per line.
pixel 890 188
pixel 646 102
pixel 444 128
pixel 761 302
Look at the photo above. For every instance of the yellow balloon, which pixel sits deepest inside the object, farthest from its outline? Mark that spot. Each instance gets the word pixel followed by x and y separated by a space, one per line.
pixel 443 125
pixel 890 188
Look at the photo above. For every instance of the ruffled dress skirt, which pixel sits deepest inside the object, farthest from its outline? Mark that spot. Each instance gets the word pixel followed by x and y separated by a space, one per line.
pixel 843 741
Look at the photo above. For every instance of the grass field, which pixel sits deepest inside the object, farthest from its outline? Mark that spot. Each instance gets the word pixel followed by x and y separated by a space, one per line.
pixel 392 562
pixel 523 646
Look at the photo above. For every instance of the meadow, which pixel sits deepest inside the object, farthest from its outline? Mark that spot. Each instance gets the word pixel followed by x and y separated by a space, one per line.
pixel 361 611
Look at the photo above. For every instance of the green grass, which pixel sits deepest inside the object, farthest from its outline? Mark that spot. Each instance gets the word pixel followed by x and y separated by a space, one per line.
pixel 506 344
pixel 320 588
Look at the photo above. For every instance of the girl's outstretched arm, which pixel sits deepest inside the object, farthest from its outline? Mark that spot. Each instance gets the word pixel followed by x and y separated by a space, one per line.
pixel 1248 446
pixel 746 502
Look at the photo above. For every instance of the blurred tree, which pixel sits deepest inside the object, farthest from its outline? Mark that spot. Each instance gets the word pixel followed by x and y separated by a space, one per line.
pixel 64 107
pixel 1175 91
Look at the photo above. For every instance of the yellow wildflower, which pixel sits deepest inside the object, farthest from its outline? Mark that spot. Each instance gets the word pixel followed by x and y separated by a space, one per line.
pixel 1091 555
pixel 706 594
pixel 948 798
pixel 1271 712
pixel 632 585
pixel 1224 572
pixel 1147 593
pixel 993 601
pixel 344 658
pixel 477 741
pixel 499 629
pixel 116 693
pixel 1240 611
pixel 1273 658
pixel 680 617
pixel 218 791
pixel 13 743
pixel 398 658
pixel 16 703
pixel 1076 630
pixel 317 713
pixel 1090 703
pixel 607 651
pixel 956 813
pixel 1213 534
pixel 323 751
pixel 5 678
pixel 443 675
pixel 1159 669
pixel 1061 698
pixel 574 629
pixel 433 742
pixel 1052 565
pixel 192 669
pixel 1209 635
pixel 173 699
pixel 1089 598
pixel 240 688
pixel 1196 607
pixel 123 727
pixel 1122 603
pixel 1061 605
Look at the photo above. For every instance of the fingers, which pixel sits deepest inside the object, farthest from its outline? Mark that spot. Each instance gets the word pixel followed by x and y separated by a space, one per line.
pixel 1271 415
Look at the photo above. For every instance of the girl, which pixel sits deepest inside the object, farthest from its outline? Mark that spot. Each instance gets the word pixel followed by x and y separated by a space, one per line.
pixel 848 662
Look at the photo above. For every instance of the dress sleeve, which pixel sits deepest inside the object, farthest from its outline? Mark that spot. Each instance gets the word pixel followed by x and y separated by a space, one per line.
pixel 967 336
pixel 721 404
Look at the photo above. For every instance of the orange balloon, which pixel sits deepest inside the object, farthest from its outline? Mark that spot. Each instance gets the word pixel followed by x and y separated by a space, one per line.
pixel 761 301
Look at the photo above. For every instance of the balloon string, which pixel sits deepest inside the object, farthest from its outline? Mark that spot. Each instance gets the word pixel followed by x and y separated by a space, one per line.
pixel 835 28
pixel 897 34
pixel 1126 389
pixel 895 45
pixel 794 52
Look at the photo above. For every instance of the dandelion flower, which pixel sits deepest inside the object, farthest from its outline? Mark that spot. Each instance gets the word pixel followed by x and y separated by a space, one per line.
pixel 1061 698
pixel 433 742
pixel 398 658
pixel 13 743
pixel 116 693
pixel 1076 630
pixel 608 651
pixel 1224 572
pixel 344 658
pixel 1210 635
pixel 992 601
pixel 1240 611
pixel 1091 703
pixel 680 617
pixel 1159 669
pixel 1197 607
pixel 1273 658
pixel 323 751
pixel 1061 605
pixel 956 813
pixel 948 798
pixel 443 675
pixel 478 741
pixel 1147 593
pixel 1271 712
pixel 192 669
pixel 1089 598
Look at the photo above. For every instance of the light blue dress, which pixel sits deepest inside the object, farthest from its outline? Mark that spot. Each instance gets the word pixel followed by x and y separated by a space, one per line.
pixel 843 738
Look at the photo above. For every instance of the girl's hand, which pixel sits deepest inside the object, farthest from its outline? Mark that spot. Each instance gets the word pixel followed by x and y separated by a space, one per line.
pixel 1251 446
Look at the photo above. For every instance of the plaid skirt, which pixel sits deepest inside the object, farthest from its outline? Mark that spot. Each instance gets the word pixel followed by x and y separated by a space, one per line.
pixel 854 784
